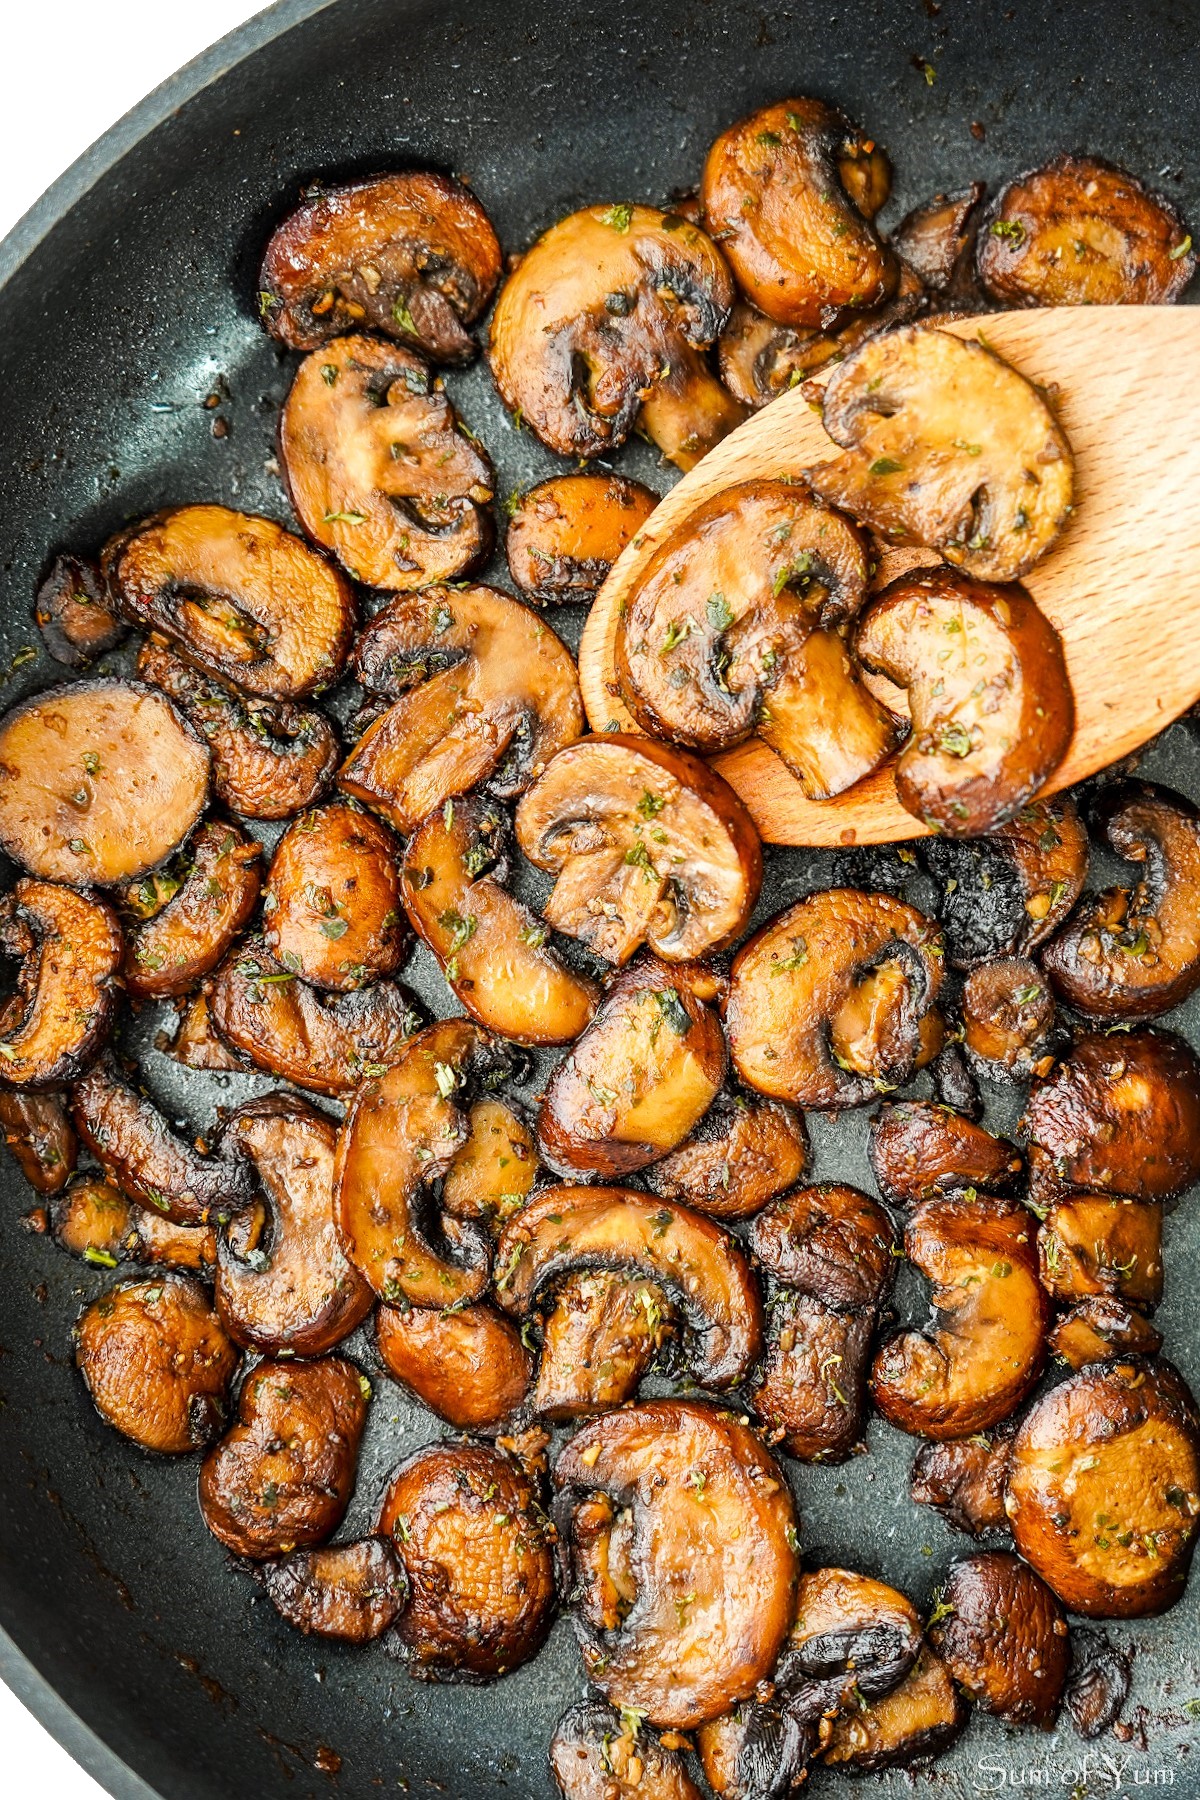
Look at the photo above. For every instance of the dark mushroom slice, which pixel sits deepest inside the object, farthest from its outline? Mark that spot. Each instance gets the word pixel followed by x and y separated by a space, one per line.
pixel 410 253
pixel 470 1367
pixel 466 1524
pixel 1098 1685
pixel 1080 232
pixel 1009 1020
pixel 985 1346
pixel 756 1752
pixel 745 1151
pixel 954 1083
pixel 157 1362
pixel 937 242
pixel 964 1479
pixel 913 1724
pixel 99 782
pixel 789 193
pixel 349 1592
pixel 332 908
pixel 493 1172
pixel 1104 1491
pixel 239 595
pixel 141 1154
pixel 565 534
pixel 94 1221
pixel 1100 1328
pixel 1132 953
pixel 602 1333
pixel 732 629
pixel 987 684
pixel 190 919
pixel 74 613
pixel 919 1149
pixel 69 948
pixel 379 467
pixel 948 446
pixel 829 1241
pixel 648 846
pixel 37 1129
pixel 492 950
pixel 599 1754
pixel 704 1543
pixel 835 1000
pixel 1003 895
pixel 270 758
pixel 1099 1244
pixel 1119 1115
pixel 603 322
pixel 1003 1637
pixel 282 1478
pixel 196 1043
pixel 488 693
pixel 700 1267
pixel 853 1640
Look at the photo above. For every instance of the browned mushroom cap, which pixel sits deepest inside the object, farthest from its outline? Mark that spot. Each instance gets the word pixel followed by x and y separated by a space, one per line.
pixel 744 1152
pixel 1008 1018
pixel 912 1724
pixel 599 1754
pixel 705 1546
pixel 565 534
pixel 92 1220
pixel 729 631
pixel 488 693
pixel 756 1752
pixel 700 1267
pixel 157 1362
pixel 1131 953
pixel 411 254
pixel 1099 1244
pixel 492 950
pixel 192 916
pixel 332 904
pixel 1104 1493
pixel 1003 1636
pixel 351 1592
pixel 835 999
pixel 1002 895
pixel 242 596
pixel 919 1149
pixel 1082 233
pixel 99 782
pixel 937 240
pixel 74 614
pixel 468 1366
pixel 282 1478
pixel 1100 1328
pixel 789 193
pixel 964 1480
pixel 70 951
pixel 648 845
pixel 495 1169
pixel 283 1282
pixel 948 446
pixel 829 1241
pixel 379 468
pixel 195 1043
pixel 1120 1114
pixel 269 758
pixel 602 1334
pixel 986 1344
pixel 991 701
pixel 465 1521
pixel 37 1129
pixel 853 1639
pixel 603 320
pixel 136 1148
pixel 640 1078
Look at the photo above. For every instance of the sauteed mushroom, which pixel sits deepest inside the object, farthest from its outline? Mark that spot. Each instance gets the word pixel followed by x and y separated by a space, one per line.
pixel 919 1149
pixel 912 1724
pixel 195 1043
pixel 745 1151
pixel 351 1592
pixel 157 1362
pixel 332 905
pixel 94 1221
pixel 1101 1328
pixel 964 1479
pixel 565 534
pixel 37 1129
pixel 602 1333
pixel 853 1640
pixel 191 918
pixel 1003 1636
pixel 74 614
pixel 1003 895
pixel 1008 1017
pixel 936 241
pixel 1100 1244
pixel 599 1754
pixel 69 949
pixel 492 1174
pixel 756 1752
pixel 469 1367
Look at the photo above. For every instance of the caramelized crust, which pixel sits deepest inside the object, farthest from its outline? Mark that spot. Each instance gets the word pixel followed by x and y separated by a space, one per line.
pixel 157 1362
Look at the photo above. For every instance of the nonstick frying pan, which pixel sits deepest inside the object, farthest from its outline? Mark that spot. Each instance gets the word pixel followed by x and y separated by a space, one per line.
pixel 128 297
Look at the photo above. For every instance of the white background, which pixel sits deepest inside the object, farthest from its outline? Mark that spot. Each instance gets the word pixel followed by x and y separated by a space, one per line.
pixel 74 67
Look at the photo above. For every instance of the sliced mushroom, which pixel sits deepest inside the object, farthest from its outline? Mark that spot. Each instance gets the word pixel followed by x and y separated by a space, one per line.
pixel 190 919
pixel 469 1366
pixel 411 254
pixel 283 1283
pixel 332 904
pixel 195 1043
pixel 1009 1018
pixel 603 321
pixel 70 951
pixel 282 1478
pixel 1100 1328
pixel 919 1149
pixel 270 759
pixel 565 534
pixel 948 446
pixel 1003 1637
pixel 991 701
pixel 829 1241
pixel 1132 953
pixel 706 1543
pixel 1079 232
pixel 37 1129
pixel 937 242
pixel 853 1640
pixel 647 844
pixel 94 1221
pixel 964 1480
pixel 790 193
pixel 835 1000
pixel 379 467
pixel 240 595
pixel 488 693
pixel 466 1524
pixel 954 1084
pixel 599 1754
pixel 157 1362
pixel 602 1333
pixel 491 948
pixel 700 1267
pixel 913 1724
pixel 99 782
pixel 1098 1686
pixel 74 613
pixel 1099 1244
pixel 1004 894
pixel 745 1151
pixel 985 1347
pixel 495 1169
pixel 731 630
pixel 756 1752
pixel 1104 1493
pixel 350 1592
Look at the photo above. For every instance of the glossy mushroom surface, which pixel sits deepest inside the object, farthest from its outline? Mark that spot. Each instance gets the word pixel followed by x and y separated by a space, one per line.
pixel 964 1479
pixel 1099 1244
pixel 470 1367
pixel 1003 1636
pixel 91 1219
pixel 919 1149
pixel 1009 1020
pixel 75 614
pixel 68 949
pixel 349 1592
pixel 1100 1328
pixel 332 908
pixel 495 1168
pixel 937 241
pixel 37 1129
pixel 187 920
pixel 565 534
pixel 853 1640
pixel 745 1151
pixel 911 1725
pixel 597 1753
pixel 1004 894
pixel 157 1362
pixel 602 1332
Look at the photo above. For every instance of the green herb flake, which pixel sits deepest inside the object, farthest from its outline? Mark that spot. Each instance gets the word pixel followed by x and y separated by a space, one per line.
pixel 619 217
pixel 446 1079
pixel 718 611
pixel 345 518
pixel 100 1259
pixel 954 739
pixel 329 373
pixel 1180 249
pixel 886 465
pixel 334 928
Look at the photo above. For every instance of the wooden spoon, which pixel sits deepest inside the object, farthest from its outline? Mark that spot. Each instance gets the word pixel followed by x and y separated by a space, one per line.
pixel 1122 586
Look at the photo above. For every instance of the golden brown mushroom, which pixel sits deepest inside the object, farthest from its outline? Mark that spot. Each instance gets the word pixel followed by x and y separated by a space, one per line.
pixel 964 1479
pixel 1100 1328
pixel 1003 895
pixel 1093 1244
pixel 756 1752
pixel 853 1640
pixel 602 1333
pixel 565 534
pixel 919 1149
pixel 74 613
pixel 494 1171
pixel 469 1366
pixel 745 1150
pixel 1003 1637
pixel 69 948
pixel 189 920
pixel 94 1221
pixel 1008 1019
pixel 351 1592
pixel 157 1362
pixel 332 905
pixel 597 1753
pixel 37 1129
pixel 911 1725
